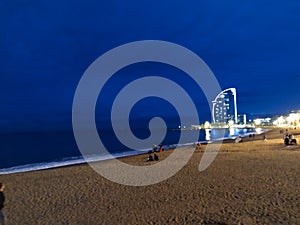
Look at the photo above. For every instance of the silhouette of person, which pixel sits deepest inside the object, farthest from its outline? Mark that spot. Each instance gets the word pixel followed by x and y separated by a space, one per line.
pixel 264 138
pixel 155 157
pixel 154 148
pixel 2 200
pixel 150 158
pixel 161 148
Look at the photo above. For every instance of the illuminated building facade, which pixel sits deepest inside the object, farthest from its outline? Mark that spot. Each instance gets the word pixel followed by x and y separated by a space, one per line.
pixel 224 109
pixel 242 119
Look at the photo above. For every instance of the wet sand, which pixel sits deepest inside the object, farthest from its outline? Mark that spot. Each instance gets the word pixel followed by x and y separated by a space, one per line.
pixel 253 182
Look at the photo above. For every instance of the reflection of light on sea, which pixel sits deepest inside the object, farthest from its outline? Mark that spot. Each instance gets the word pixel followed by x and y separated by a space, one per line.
pixel 231 131
pixel 258 130
pixel 207 134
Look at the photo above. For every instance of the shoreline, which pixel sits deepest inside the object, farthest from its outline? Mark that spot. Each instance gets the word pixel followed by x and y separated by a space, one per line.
pixel 78 160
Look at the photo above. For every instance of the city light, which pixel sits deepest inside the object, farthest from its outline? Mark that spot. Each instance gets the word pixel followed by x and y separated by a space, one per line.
pixel 207 125
pixel 230 122
pixel 293 119
pixel 257 122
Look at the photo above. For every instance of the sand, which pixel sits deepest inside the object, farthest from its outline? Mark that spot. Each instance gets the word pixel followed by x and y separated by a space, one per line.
pixel 254 182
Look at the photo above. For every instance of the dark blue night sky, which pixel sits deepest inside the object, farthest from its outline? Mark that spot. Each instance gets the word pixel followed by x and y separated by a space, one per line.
pixel 45 47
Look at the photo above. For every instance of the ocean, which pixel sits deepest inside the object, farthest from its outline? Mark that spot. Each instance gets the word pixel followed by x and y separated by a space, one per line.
pixel 29 151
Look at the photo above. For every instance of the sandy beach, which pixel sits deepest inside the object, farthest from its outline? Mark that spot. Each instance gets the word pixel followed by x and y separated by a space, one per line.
pixel 253 182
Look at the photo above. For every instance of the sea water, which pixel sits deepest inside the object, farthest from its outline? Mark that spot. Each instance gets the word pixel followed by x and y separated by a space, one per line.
pixel 28 151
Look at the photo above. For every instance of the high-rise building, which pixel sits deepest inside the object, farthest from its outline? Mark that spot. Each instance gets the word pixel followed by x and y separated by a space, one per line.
pixel 242 119
pixel 224 107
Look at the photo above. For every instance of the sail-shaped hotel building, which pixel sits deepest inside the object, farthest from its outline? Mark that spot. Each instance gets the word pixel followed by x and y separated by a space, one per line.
pixel 224 108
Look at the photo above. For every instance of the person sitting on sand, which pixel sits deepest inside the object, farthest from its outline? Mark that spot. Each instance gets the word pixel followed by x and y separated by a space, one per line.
pixel 290 140
pixel 155 157
pixel 150 158
pixel 161 149
pixel 154 148
pixel 2 200
pixel 265 138
pixel 294 141
pixel 286 140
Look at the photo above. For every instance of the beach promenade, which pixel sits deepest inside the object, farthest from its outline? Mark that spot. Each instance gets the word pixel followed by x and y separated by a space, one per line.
pixel 253 182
